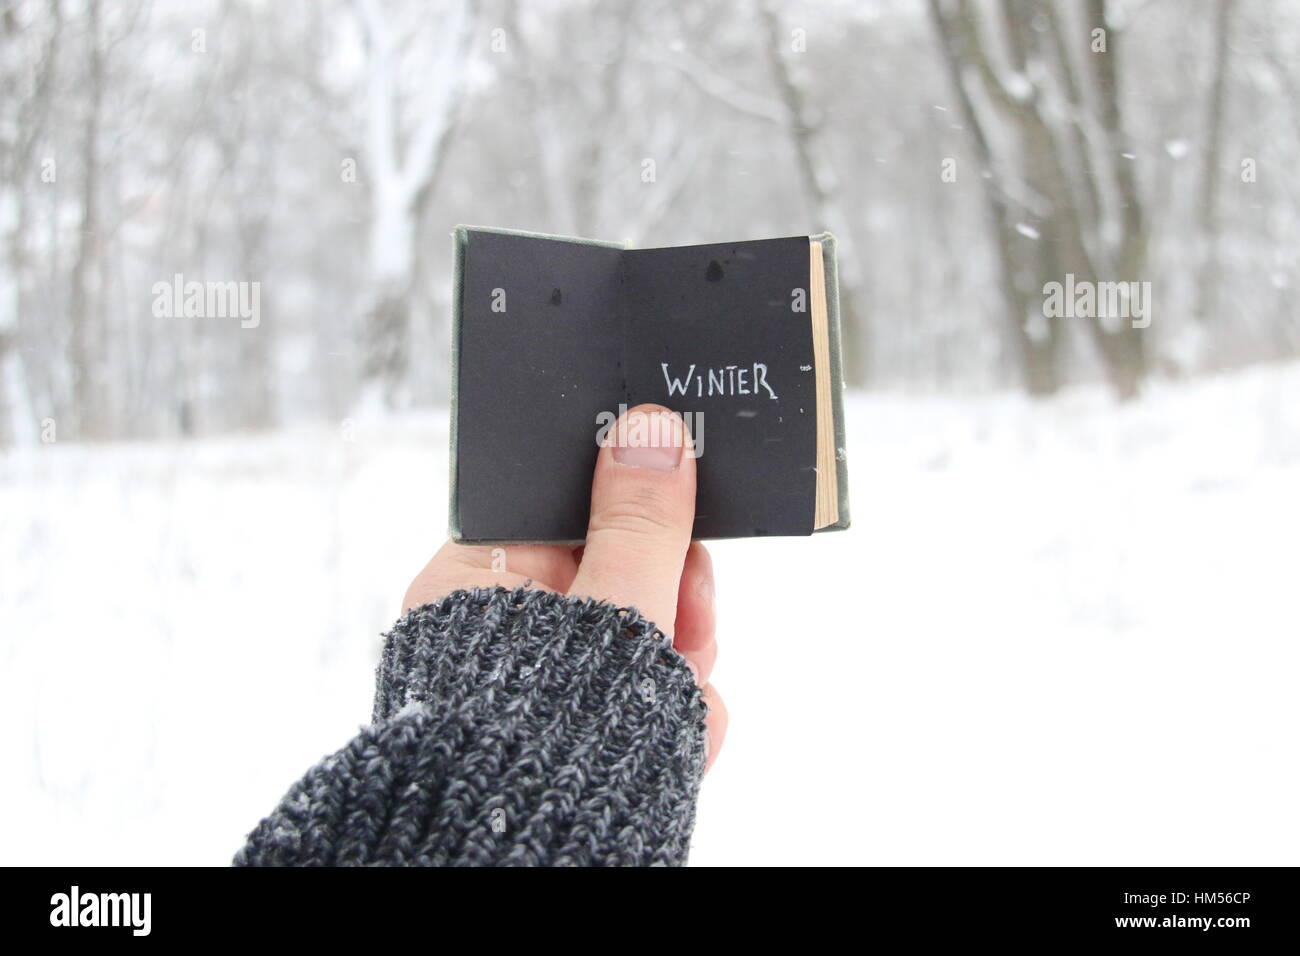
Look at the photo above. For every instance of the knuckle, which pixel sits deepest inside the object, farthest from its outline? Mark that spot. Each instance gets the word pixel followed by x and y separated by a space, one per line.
pixel 646 512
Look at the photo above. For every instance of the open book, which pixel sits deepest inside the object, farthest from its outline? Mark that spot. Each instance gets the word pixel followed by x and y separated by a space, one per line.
pixel 553 338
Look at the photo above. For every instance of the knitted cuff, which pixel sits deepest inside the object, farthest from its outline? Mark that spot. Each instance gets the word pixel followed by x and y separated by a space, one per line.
pixel 511 727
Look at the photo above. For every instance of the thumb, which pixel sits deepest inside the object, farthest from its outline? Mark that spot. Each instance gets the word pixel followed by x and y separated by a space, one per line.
pixel 642 513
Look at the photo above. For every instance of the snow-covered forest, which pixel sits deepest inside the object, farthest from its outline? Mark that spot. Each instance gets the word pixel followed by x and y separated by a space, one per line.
pixel 966 153
pixel 1062 628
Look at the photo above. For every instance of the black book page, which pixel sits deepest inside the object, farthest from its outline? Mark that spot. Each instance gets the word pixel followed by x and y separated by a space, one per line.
pixel 725 319
pixel 584 334
pixel 531 381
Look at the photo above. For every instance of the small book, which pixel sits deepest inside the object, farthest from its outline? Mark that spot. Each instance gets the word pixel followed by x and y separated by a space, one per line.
pixel 553 338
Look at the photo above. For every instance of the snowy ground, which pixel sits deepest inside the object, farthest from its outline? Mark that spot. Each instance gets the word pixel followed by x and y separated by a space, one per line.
pixel 1057 633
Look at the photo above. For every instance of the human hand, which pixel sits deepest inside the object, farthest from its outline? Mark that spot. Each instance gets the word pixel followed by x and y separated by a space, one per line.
pixel 638 552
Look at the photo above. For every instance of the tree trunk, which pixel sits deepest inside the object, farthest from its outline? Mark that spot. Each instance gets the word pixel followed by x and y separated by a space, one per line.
pixel 1123 349
pixel 84 356
pixel 1038 355
pixel 1210 271
pixel 403 165
pixel 1047 213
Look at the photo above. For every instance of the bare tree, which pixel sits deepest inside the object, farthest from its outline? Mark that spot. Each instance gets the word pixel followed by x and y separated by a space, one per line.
pixel 402 159
pixel 1209 272
pixel 17 151
pixel 1063 197
pixel 84 329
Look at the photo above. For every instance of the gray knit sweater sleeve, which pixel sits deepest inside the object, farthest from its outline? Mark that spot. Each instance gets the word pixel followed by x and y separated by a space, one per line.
pixel 511 727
